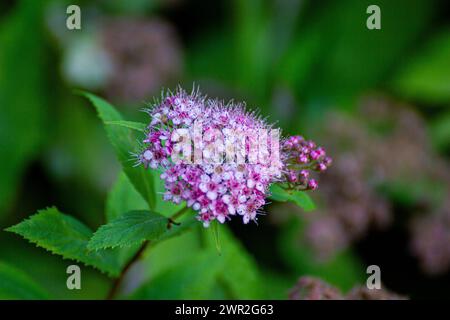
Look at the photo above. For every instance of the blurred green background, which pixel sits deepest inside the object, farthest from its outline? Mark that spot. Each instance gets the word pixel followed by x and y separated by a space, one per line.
pixel 377 99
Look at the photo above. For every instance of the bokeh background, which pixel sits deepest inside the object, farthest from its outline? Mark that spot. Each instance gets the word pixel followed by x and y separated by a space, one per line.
pixel 377 99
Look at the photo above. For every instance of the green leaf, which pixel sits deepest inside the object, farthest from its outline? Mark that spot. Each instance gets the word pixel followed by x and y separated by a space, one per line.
pixel 138 126
pixel 49 271
pixel 131 228
pixel 122 198
pixel 239 274
pixel 147 182
pixel 167 254
pixel 300 198
pixel 64 235
pixel 193 278
pixel 124 144
pixel 188 267
pixel 427 76
pixel 15 284
pixel 135 227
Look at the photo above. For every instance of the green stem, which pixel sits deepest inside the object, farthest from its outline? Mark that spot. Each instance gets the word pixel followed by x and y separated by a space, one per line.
pixel 175 216
pixel 116 285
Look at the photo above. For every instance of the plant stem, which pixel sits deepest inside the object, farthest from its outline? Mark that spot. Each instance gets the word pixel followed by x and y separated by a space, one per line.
pixel 175 216
pixel 116 285
pixel 113 291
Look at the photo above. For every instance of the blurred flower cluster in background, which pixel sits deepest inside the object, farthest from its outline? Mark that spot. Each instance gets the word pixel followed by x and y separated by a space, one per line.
pixel 377 100
pixel 310 288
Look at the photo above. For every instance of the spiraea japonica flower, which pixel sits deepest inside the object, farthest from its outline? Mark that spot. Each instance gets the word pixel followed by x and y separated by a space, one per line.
pixel 221 159
pixel 300 156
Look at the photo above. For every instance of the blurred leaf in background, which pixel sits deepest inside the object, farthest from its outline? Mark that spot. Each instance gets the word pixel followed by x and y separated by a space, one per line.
pixel 343 57
pixel 440 131
pixel 15 284
pixel 426 76
pixel 23 94
pixel 79 159
pixel 323 54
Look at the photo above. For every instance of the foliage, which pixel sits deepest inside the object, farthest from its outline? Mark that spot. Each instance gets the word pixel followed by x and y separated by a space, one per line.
pixel 122 198
pixel 14 284
pixel 124 143
pixel 301 199
pixel 112 245
pixel 295 60
pixel 426 77
pixel 64 235
pixel 232 274
pixel 23 91
pixel 133 227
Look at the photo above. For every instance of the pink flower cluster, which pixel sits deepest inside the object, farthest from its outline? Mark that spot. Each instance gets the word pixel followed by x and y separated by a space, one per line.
pixel 300 156
pixel 217 191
